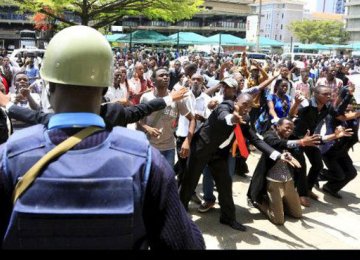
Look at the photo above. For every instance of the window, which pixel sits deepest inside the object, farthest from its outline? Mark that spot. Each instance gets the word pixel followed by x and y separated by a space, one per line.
pixel 275 36
pixel 281 27
pixel 280 37
pixel 282 15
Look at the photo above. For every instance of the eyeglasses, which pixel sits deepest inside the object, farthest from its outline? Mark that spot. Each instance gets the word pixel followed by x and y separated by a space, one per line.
pixel 325 94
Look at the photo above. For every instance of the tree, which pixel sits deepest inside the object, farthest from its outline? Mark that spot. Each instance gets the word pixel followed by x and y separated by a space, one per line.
pixel 324 32
pixel 100 13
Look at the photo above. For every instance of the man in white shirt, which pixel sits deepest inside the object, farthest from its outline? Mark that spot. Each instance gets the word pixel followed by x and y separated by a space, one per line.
pixel 198 102
pixel 119 90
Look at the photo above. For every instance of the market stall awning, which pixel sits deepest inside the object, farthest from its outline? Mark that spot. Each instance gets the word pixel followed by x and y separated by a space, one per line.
pixel 265 42
pixel 188 38
pixel 114 37
pixel 229 39
pixel 145 37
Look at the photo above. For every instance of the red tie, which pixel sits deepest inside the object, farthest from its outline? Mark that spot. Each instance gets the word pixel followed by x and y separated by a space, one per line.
pixel 241 141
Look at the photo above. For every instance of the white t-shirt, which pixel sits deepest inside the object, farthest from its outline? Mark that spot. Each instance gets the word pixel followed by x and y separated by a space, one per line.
pixel 198 106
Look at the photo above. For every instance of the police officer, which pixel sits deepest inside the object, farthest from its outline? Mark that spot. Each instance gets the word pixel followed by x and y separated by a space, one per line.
pixel 112 190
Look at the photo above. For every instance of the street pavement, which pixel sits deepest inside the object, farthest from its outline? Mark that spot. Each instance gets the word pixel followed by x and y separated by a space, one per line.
pixel 329 223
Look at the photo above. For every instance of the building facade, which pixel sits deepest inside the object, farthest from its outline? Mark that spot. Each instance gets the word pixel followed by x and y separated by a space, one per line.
pixel 330 6
pixel 325 6
pixel 340 7
pixel 353 19
pixel 11 23
pixel 276 15
pixel 218 16
pixel 225 16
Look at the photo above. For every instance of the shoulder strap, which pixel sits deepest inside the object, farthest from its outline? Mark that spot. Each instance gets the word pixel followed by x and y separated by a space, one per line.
pixel 29 177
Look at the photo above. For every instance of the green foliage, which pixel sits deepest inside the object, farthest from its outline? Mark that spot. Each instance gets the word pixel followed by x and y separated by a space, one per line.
pixel 100 13
pixel 323 32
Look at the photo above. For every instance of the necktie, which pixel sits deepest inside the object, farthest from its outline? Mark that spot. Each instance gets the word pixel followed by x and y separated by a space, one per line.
pixel 240 140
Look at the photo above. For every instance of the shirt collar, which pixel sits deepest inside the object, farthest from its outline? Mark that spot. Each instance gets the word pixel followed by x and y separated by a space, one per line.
pixel 75 120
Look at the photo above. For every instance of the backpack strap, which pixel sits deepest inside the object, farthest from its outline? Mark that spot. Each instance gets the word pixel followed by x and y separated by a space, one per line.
pixel 29 177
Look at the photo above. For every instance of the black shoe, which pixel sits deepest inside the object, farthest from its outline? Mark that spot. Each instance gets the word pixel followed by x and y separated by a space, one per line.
pixel 332 193
pixel 233 224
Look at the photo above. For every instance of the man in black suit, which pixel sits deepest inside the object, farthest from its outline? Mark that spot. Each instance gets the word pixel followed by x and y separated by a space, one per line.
pixel 114 114
pixel 203 150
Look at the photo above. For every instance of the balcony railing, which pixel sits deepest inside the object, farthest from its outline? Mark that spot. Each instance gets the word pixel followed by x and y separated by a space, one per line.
pixel 15 18
pixel 176 28
pixel 352 3
pixel 352 16
pixel 353 29
pixel 190 25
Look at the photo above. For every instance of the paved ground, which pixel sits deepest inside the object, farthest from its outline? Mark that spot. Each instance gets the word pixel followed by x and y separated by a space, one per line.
pixel 329 223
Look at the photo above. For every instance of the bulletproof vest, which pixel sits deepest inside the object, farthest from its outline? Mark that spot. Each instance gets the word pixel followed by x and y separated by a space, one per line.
pixel 85 199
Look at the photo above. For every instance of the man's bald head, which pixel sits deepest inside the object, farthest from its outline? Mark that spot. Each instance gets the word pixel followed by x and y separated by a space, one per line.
pixel 139 69
pixel 244 97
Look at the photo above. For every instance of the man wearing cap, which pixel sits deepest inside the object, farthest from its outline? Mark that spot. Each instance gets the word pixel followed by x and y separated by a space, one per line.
pixel 93 188
pixel 223 91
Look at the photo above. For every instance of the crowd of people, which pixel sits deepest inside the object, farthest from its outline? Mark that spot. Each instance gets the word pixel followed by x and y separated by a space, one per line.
pixel 160 121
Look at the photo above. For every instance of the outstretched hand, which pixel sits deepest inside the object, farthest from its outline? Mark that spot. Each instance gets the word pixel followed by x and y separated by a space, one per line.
pixel 179 94
pixel 340 131
pixel 237 119
pixel 287 157
pixel 312 140
pixel 299 98
pixel 4 99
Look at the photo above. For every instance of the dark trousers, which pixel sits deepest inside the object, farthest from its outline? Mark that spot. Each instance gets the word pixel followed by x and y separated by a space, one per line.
pixel 303 184
pixel 180 165
pixel 341 169
pixel 218 166
pixel 240 166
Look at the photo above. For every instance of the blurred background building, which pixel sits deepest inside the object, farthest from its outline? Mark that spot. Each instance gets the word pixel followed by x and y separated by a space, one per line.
pixel 218 16
pixel 353 19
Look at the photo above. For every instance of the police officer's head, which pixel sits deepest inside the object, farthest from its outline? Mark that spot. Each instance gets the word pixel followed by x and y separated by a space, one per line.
pixel 78 66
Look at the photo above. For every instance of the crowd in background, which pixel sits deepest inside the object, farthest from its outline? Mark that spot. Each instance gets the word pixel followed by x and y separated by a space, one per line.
pixel 283 95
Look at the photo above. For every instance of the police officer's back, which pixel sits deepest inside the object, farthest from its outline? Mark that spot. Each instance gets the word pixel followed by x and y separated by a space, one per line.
pixel 110 191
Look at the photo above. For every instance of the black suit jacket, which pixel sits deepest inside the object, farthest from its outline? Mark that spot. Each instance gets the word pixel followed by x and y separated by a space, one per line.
pixel 215 131
pixel 113 114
